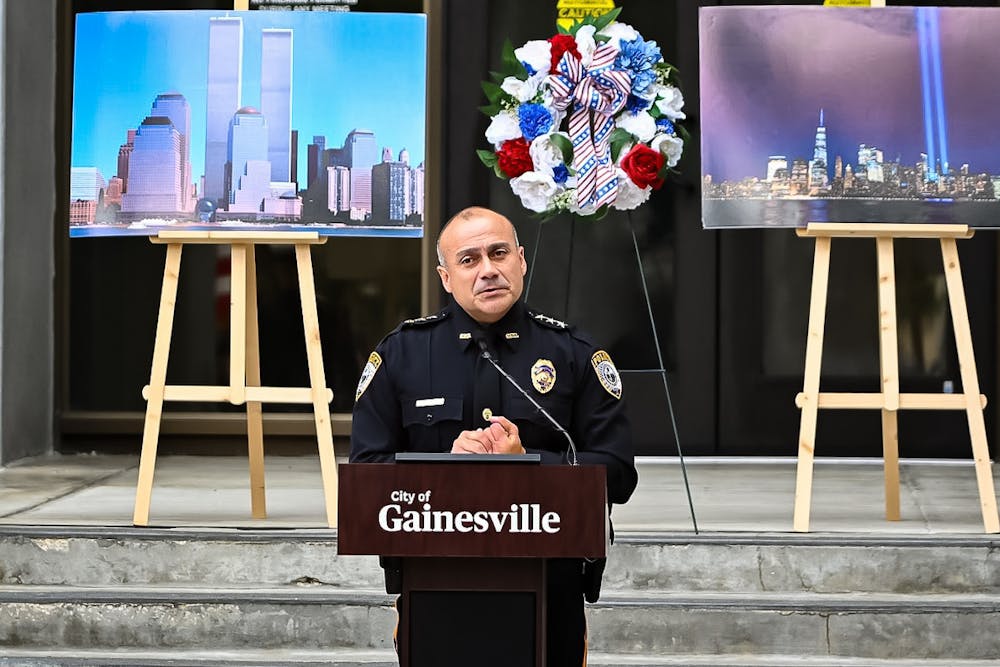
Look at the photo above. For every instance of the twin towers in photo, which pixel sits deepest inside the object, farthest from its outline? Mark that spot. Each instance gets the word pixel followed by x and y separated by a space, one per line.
pixel 251 170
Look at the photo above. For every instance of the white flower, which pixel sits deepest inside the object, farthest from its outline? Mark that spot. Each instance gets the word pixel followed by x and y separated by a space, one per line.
pixel 630 195
pixel 545 155
pixel 585 44
pixel 670 145
pixel 523 91
pixel 503 127
pixel 641 124
pixel 669 102
pixel 537 54
pixel 619 32
pixel 535 190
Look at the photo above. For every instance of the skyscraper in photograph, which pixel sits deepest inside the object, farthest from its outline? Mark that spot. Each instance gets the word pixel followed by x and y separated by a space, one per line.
pixel 247 143
pixel 316 156
pixel 361 152
pixel 819 177
pixel 774 163
pixel 338 189
pixel 85 183
pixel 154 169
pixel 225 71
pixel 276 99
pixel 175 107
pixel 124 151
pixel 417 190
pixel 390 192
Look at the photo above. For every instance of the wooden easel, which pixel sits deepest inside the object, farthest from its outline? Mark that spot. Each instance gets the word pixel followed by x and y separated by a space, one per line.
pixel 890 400
pixel 244 361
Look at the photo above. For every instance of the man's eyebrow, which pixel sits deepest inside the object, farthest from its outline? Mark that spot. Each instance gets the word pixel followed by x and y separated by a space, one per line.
pixel 473 250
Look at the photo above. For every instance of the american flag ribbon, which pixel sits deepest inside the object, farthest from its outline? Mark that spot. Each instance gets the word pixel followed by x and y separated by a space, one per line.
pixel 596 94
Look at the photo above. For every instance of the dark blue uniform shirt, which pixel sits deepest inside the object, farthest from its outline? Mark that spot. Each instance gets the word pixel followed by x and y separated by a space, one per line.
pixel 427 381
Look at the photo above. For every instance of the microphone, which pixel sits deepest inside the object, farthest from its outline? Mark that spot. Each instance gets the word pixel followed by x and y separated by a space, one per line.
pixel 480 337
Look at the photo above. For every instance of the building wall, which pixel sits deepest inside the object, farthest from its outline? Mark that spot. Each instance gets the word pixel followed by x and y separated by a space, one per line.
pixel 27 170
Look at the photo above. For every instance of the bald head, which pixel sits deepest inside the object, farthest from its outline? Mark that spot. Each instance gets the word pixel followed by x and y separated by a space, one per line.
pixel 468 214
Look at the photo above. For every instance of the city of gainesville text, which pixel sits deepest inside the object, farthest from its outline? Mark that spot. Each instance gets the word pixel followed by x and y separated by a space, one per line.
pixel 520 518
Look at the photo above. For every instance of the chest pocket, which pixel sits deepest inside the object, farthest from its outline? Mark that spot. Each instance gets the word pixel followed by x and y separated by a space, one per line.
pixel 431 415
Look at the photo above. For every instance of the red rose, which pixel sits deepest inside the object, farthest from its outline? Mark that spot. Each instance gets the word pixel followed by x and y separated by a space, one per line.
pixel 514 158
pixel 560 45
pixel 643 165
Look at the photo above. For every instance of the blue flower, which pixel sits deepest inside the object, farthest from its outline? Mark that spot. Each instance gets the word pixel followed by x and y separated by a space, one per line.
pixel 635 104
pixel 528 68
pixel 665 125
pixel 637 57
pixel 534 120
pixel 560 173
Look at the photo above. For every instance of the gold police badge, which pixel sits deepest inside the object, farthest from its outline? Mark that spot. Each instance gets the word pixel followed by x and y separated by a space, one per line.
pixel 607 374
pixel 543 375
pixel 374 361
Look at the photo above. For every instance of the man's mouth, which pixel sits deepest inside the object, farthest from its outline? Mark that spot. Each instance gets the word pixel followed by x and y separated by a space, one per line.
pixel 491 290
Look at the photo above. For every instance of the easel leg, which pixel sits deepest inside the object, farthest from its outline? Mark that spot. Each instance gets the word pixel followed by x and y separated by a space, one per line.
pixel 889 362
pixel 970 384
pixel 238 324
pixel 157 382
pixel 255 421
pixel 317 381
pixel 810 385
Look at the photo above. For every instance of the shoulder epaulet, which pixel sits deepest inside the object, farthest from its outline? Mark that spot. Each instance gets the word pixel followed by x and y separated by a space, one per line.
pixel 424 321
pixel 547 321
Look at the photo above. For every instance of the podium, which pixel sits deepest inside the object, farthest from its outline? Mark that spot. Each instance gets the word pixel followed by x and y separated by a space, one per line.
pixel 472 534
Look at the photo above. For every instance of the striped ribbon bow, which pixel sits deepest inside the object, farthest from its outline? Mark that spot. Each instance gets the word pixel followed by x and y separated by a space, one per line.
pixel 597 93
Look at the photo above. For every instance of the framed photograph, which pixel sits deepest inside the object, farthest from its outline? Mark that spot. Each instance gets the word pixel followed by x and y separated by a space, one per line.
pixel 284 121
pixel 845 114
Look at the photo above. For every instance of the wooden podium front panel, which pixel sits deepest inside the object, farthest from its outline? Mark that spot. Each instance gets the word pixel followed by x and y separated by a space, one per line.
pixel 497 510
pixel 487 612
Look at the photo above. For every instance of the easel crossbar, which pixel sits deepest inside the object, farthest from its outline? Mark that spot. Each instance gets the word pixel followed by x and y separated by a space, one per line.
pixel 877 401
pixel 225 394
pixel 893 230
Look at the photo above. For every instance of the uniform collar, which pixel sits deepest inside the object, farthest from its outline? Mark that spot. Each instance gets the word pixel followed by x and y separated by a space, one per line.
pixel 507 331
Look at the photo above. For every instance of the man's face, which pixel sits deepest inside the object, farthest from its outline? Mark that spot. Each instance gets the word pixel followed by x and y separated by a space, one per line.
pixel 483 267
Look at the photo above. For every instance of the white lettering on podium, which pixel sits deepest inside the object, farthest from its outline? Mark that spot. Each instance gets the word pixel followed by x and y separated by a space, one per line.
pixel 520 518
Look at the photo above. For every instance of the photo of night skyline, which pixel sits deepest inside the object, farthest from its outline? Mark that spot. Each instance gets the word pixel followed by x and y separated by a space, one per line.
pixel 849 114
pixel 248 120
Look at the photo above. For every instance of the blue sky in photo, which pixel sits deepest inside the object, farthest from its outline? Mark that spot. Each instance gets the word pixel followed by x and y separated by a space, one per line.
pixel 349 70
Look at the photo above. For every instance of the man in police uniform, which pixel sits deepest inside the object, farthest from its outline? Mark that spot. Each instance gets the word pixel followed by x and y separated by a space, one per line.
pixel 427 388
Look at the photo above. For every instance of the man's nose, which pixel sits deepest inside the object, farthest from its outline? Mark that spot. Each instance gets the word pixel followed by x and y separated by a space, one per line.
pixel 487 268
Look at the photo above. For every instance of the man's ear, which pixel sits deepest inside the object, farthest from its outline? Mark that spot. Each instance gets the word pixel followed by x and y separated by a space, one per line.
pixel 524 264
pixel 445 279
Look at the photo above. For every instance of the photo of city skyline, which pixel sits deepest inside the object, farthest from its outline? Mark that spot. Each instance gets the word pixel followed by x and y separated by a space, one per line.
pixel 248 120
pixel 844 114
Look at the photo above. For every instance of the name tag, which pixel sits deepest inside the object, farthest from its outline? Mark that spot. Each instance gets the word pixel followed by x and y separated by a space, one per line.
pixel 427 402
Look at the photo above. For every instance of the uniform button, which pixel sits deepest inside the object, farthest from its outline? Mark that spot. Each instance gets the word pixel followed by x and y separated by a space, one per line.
pixel 429 416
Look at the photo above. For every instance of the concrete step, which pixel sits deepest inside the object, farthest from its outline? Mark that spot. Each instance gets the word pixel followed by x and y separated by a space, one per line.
pixel 775 562
pixel 876 626
pixel 387 658
pixel 742 562
pixel 95 556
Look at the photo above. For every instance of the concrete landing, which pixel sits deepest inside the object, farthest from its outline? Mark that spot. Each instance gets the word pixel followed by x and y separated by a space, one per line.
pixel 729 495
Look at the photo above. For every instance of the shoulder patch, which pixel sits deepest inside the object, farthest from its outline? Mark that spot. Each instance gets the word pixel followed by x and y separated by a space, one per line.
pixel 374 361
pixel 607 374
pixel 429 319
pixel 547 321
